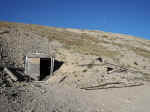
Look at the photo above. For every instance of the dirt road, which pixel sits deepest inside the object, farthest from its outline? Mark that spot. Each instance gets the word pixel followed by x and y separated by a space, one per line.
pixel 133 99
pixel 47 98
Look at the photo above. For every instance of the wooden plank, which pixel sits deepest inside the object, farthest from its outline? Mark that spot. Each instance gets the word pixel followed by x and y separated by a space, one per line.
pixel 34 60
pixel 13 77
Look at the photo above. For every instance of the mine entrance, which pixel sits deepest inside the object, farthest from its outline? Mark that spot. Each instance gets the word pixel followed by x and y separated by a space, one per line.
pixel 40 66
pixel 45 65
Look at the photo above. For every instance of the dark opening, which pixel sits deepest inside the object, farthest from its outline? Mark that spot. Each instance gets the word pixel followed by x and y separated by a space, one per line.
pixel 109 69
pixel 45 65
pixel 57 64
pixel 100 59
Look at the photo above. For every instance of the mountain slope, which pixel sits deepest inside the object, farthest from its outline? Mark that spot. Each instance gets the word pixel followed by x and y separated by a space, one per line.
pixel 87 55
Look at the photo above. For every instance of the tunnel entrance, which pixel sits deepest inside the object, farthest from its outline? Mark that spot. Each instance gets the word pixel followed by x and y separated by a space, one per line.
pixel 40 66
pixel 45 66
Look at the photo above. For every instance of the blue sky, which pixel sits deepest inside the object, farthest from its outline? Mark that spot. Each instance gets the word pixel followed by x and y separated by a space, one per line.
pixel 119 16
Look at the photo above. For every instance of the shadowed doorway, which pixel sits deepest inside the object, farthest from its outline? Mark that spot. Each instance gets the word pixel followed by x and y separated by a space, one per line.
pixel 45 66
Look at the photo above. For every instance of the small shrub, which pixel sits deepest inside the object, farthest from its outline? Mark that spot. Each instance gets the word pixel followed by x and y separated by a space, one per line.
pixel 90 65
pixel 85 70
pixel 105 36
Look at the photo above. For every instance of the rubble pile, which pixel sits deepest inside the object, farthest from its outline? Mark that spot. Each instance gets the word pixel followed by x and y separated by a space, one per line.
pixel 11 75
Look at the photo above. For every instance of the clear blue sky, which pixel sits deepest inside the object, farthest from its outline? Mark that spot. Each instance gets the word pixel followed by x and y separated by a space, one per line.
pixel 119 16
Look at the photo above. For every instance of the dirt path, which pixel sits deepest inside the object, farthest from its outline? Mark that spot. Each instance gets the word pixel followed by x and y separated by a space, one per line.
pixel 47 98
pixel 132 99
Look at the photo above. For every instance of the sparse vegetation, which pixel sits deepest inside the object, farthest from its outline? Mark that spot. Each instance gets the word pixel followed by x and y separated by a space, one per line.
pixel 142 52
pixel 85 70
pixel 105 36
pixel 81 52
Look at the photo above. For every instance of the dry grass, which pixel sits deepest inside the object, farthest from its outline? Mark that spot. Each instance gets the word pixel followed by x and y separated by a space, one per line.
pixel 82 42
pixel 79 42
pixel 141 52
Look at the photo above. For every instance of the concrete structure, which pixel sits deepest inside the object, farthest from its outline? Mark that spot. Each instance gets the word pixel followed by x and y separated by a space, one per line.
pixel 39 65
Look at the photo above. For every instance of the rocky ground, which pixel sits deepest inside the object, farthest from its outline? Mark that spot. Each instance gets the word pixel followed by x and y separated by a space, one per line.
pixel 97 72
pixel 37 97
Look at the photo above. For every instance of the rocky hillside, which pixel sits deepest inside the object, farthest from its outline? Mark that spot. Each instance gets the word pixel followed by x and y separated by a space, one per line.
pixel 90 57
